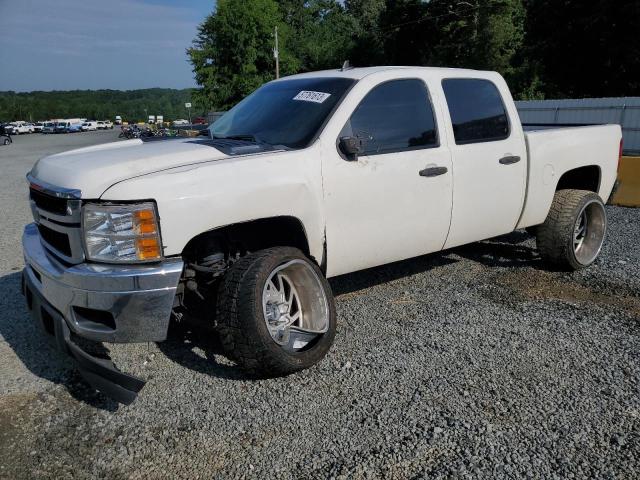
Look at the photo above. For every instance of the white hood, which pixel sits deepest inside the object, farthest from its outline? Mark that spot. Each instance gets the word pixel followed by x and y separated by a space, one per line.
pixel 92 170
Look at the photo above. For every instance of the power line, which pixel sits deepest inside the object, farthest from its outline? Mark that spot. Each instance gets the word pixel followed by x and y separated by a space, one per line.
pixel 432 17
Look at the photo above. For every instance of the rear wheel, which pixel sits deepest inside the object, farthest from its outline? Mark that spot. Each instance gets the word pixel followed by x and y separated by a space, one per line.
pixel 573 233
pixel 276 313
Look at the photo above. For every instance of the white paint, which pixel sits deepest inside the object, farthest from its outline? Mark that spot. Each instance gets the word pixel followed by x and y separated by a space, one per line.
pixel 374 210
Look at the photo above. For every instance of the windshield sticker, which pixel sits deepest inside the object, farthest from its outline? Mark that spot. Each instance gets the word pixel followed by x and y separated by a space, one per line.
pixel 315 97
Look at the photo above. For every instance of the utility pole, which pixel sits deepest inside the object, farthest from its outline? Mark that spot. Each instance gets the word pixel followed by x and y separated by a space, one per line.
pixel 276 55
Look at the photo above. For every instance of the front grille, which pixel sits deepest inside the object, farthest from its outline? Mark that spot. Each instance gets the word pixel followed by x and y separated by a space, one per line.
pixel 57 212
pixel 57 240
pixel 49 203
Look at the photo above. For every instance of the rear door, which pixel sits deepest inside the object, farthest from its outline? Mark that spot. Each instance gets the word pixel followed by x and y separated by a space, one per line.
pixel 489 160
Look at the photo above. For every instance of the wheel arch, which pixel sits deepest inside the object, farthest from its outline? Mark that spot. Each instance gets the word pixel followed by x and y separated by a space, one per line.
pixel 255 234
pixel 587 177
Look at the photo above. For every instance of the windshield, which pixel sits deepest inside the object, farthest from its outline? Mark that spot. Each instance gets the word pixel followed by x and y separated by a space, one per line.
pixel 287 112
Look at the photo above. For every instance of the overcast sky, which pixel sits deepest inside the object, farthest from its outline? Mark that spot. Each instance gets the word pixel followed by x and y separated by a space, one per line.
pixel 91 44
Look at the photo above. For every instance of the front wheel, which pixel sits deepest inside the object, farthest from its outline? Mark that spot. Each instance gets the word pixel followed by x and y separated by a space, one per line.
pixel 276 312
pixel 572 235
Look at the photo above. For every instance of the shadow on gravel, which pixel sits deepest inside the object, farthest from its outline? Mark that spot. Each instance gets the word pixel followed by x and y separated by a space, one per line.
pixel 352 282
pixel 504 251
pixel 36 350
pixel 195 347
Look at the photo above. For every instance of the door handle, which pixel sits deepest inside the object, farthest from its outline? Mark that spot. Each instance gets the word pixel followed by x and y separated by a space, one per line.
pixel 433 171
pixel 508 160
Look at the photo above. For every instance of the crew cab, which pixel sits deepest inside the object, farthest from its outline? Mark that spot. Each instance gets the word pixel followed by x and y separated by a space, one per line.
pixel 309 177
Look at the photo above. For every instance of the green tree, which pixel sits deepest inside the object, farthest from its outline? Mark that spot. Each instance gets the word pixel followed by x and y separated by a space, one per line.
pixel 321 32
pixel 233 52
pixel 584 49
pixel 368 39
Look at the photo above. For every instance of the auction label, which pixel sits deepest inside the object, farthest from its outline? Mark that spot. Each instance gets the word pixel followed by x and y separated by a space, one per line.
pixel 315 97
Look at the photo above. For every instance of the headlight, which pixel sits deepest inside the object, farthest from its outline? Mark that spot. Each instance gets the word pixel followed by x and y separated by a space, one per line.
pixel 121 233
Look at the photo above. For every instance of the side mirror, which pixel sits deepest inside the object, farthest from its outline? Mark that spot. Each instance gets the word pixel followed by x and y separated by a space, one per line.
pixel 350 146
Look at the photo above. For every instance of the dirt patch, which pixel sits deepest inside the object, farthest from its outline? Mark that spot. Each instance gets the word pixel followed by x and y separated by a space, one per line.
pixel 541 285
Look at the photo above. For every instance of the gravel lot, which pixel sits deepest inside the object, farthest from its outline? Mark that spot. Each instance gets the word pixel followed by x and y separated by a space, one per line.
pixel 476 362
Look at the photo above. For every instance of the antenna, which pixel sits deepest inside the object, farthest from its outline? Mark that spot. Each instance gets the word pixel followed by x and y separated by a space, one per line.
pixel 346 66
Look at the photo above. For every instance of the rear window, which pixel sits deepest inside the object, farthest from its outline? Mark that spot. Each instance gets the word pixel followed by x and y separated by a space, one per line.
pixel 477 111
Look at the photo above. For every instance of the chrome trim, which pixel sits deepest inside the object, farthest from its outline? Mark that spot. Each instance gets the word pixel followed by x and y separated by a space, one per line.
pixel 69 223
pixel 139 297
pixel 53 190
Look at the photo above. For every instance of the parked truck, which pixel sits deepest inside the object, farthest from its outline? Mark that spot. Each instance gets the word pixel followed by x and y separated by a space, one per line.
pixel 309 177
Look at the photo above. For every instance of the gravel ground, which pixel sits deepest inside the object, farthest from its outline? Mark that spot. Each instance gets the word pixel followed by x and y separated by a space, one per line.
pixel 472 363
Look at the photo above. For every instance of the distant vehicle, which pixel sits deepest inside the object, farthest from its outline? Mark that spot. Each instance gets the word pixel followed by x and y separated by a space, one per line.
pixel 199 121
pixel 180 123
pixel 38 126
pixel 19 128
pixel 49 127
pixel 69 126
pixel 100 125
pixel 118 120
pixel 108 124
pixel 89 126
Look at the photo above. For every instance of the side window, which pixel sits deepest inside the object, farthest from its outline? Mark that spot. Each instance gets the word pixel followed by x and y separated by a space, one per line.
pixel 394 116
pixel 476 109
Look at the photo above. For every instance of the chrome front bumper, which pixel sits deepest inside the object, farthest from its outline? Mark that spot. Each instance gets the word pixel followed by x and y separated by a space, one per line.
pixel 102 303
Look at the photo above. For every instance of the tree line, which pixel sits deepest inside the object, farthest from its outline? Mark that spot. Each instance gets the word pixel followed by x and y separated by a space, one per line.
pixel 544 48
pixel 131 105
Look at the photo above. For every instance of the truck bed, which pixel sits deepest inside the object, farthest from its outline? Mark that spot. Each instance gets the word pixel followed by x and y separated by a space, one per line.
pixel 553 150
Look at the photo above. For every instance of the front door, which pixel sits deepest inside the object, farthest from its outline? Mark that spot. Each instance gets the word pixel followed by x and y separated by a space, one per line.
pixel 394 201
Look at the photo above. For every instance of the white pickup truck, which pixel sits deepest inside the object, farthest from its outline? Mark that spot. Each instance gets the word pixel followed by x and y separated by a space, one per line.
pixel 309 177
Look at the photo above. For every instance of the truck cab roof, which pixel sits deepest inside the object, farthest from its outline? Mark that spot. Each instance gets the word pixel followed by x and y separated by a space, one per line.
pixel 359 73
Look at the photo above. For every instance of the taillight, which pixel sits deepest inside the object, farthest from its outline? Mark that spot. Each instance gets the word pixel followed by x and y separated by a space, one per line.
pixel 620 152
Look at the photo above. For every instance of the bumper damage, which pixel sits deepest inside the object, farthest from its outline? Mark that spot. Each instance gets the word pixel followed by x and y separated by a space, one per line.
pixel 102 303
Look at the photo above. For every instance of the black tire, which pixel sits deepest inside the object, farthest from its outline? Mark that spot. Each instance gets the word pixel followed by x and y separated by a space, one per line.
pixel 533 230
pixel 556 236
pixel 6 141
pixel 241 320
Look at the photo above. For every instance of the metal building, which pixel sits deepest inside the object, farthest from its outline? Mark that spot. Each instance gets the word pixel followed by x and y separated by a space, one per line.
pixel 625 111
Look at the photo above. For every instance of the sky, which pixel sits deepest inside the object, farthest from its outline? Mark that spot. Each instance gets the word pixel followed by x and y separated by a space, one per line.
pixel 94 44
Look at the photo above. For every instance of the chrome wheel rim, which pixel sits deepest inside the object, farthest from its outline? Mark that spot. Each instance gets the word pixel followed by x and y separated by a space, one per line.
pixel 295 306
pixel 589 231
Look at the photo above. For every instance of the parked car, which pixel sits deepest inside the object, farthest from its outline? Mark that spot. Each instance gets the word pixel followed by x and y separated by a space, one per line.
pixel 37 127
pixel 49 127
pixel 69 126
pixel 89 126
pixel 180 122
pixel 100 125
pixel 20 128
pixel 108 124
pixel 312 176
